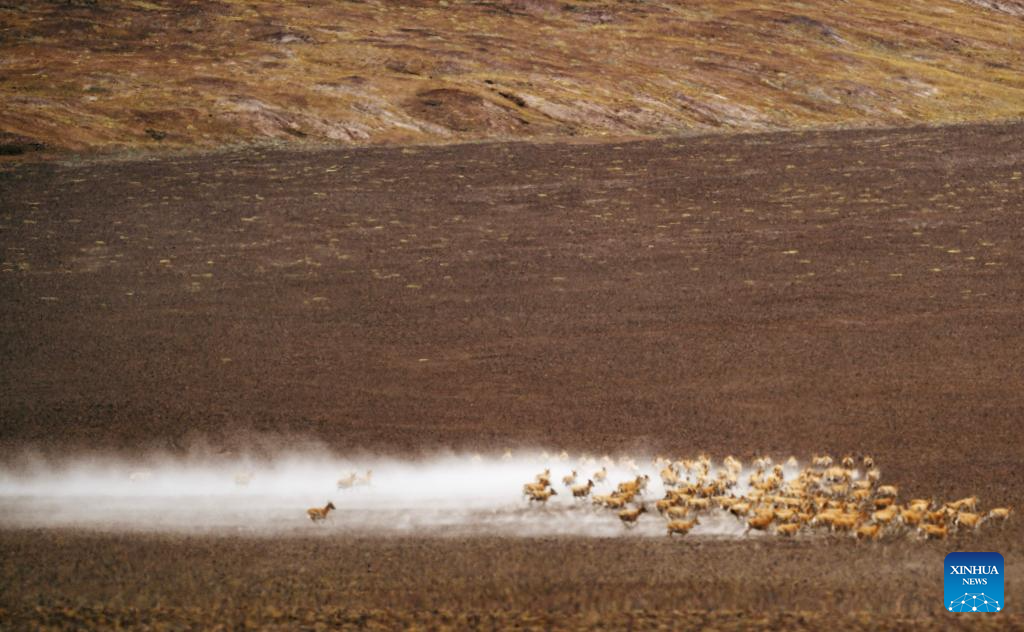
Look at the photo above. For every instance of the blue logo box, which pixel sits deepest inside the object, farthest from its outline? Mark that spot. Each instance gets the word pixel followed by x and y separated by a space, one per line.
pixel 973 582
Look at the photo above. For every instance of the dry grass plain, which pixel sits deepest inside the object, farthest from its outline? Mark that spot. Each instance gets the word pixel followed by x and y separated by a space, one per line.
pixel 112 76
pixel 73 579
pixel 849 291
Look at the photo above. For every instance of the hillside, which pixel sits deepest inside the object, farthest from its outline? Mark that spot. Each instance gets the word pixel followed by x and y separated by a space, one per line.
pixel 103 75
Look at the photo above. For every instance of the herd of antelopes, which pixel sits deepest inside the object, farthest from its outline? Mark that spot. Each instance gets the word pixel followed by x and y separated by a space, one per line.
pixel 825 496
pixel 834 496
pixel 829 495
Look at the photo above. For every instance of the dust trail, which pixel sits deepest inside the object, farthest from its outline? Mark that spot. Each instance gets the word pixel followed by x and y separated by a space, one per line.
pixel 447 495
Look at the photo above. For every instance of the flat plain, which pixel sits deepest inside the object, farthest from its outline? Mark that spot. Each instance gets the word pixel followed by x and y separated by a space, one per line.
pixel 785 293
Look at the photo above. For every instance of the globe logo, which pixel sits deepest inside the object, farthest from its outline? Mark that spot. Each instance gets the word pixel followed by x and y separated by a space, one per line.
pixel 973 602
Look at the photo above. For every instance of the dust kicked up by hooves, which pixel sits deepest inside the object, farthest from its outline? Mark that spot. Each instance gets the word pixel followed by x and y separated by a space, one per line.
pixel 535 493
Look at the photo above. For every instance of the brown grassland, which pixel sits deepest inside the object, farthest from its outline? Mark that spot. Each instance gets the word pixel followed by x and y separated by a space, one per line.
pixel 75 580
pixel 845 291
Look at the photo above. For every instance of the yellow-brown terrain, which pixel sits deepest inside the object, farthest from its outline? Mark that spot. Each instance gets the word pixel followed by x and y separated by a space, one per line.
pixel 97 75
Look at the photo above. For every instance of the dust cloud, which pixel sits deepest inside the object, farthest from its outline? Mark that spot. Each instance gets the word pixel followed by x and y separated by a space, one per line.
pixel 450 495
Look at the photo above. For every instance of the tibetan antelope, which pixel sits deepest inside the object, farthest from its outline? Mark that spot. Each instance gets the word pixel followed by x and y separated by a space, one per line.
pixel 933 532
pixel 317 514
pixel 677 513
pixel 761 522
pixel 630 516
pixel 542 496
pixel 636 485
pixel 1000 513
pixel 887 490
pixel 788 530
pixel 533 488
pixel 969 520
pixel 682 527
pixel 348 481
pixel 869 532
pixel 582 491
pixel 970 502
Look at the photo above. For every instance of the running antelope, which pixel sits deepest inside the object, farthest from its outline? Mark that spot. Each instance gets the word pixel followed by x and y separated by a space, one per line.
pixel 316 514
pixel 630 516
pixel 682 527
pixel 582 491
pixel 542 496
pixel 1000 513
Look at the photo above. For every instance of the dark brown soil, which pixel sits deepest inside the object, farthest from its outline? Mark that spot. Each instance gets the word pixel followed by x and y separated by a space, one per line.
pixel 74 579
pixel 790 293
